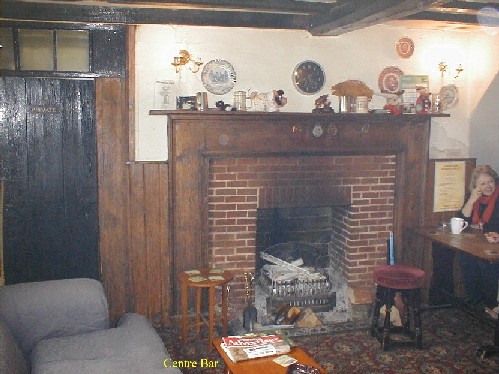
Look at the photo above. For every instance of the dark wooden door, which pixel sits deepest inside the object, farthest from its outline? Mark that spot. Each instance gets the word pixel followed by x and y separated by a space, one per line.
pixel 48 145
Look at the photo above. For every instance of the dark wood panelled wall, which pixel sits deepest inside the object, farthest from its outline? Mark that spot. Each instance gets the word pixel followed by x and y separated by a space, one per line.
pixel 132 215
pixel 133 208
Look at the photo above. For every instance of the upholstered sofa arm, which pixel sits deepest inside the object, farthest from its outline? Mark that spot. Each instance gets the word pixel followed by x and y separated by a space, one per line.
pixel 40 310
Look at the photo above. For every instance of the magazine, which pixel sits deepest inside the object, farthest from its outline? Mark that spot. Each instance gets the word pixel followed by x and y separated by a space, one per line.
pixel 240 348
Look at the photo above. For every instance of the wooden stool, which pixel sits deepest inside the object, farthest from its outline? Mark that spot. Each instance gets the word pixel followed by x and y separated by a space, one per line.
pixel 406 280
pixel 204 279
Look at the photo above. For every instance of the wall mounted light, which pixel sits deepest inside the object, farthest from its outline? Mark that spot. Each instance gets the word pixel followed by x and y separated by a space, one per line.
pixel 459 70
pixel 443 67
pixel 185 58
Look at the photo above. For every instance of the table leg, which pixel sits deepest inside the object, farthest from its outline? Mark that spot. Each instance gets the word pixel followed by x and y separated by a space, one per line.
pixel 225 294
pixel 184 312
pixel 489 350
pixel 198 309
pixel 211 315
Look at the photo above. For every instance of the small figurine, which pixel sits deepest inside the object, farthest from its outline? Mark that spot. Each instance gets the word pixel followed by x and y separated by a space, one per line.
pixel 221 105
pixel 268 101
pixel 423 103
pixel 393 102
pixel 323 105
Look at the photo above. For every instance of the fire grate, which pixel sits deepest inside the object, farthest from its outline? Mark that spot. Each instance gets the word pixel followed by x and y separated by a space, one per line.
pixel 289 283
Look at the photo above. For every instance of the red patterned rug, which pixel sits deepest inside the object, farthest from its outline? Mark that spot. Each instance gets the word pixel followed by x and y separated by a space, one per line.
pixel 450 339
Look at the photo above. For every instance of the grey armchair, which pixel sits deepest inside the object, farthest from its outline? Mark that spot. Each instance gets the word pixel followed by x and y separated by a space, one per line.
pixel 62 326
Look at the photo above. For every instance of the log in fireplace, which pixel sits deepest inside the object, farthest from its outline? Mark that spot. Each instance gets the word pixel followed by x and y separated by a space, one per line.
pixel 218 182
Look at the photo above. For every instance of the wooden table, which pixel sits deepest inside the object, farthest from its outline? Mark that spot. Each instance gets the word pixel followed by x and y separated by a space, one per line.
pixel 212 278
pixel 264 365
pixel 444 247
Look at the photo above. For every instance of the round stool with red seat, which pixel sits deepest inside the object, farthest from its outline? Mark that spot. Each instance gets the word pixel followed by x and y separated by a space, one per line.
pixel 402 282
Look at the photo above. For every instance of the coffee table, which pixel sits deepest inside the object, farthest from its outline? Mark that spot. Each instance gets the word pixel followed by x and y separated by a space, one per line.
pixel 264 365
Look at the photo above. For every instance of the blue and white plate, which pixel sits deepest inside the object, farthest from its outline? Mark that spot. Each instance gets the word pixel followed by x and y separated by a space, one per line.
pixel 218 77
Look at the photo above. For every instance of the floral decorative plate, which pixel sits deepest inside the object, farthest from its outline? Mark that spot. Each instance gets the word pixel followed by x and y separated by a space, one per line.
pixel 449 96
pixel 405 47
pixel 218 77
pixel 389 79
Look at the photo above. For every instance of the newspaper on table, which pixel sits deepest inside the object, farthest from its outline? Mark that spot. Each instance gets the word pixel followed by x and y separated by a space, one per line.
pixel 240 348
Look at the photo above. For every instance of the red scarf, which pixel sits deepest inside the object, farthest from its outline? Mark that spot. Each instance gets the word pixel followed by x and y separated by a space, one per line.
pixel 490 201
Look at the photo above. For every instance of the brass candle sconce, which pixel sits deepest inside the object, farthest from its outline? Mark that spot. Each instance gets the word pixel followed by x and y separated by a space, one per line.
pixel 443 67
pixel 185 58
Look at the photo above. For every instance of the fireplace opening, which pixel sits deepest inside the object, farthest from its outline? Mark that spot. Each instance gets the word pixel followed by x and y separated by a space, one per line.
pixel 296 275
pixel 293 263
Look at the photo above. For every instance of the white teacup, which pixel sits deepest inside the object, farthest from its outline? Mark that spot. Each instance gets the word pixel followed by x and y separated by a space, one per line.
pixel 457 225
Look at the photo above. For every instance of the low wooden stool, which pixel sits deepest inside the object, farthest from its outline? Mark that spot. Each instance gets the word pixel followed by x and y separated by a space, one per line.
pixel 204 279
pixel 406 280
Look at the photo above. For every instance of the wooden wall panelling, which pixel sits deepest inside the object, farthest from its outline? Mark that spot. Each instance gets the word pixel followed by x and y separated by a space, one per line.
pixel 2 276
pixel 166 266
pixel 149 249
pixel 138 240
pixel 130 50
pixel 112 156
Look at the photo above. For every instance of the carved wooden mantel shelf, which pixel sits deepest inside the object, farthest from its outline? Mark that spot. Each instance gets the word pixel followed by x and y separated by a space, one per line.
pixel 196 137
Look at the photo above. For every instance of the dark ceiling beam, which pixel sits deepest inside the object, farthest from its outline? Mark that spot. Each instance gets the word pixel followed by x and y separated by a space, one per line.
pixel 457 12
pixel 358 14
pixel 74 12
pixel 318 18
pixel 443 17
pixel 277 6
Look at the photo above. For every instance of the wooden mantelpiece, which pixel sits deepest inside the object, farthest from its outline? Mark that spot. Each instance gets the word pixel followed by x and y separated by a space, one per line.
pixel 196 137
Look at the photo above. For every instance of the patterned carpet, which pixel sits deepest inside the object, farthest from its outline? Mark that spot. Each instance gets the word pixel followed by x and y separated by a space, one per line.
pixel 450 338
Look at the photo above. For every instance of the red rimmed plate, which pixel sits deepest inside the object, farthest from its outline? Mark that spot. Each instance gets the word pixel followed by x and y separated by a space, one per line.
pixel 405 47
pixel 389 79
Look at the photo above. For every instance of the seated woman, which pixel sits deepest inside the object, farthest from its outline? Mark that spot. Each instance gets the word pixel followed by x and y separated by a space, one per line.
pixel 481 210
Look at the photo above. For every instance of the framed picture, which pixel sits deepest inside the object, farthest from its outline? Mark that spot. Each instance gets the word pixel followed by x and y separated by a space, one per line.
pixel 164 95
pixel 411 84
pixel 186 102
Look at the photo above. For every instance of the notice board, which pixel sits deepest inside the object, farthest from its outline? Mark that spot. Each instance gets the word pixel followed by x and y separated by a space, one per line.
pixel 450 185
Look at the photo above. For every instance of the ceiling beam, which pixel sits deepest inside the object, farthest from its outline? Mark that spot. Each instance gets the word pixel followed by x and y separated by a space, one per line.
pixel 13 10
pixel 357 14
pixel 276 6
pixel 331 18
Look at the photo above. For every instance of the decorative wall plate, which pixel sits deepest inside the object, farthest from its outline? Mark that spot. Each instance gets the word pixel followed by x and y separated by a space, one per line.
pixel 308 77
pixel 405 47
pixel 218 77
pixel 449 95
pixel 389 79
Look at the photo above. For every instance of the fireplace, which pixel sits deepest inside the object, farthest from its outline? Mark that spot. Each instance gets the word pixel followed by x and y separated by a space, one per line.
pixel 225 167
pixel 345 202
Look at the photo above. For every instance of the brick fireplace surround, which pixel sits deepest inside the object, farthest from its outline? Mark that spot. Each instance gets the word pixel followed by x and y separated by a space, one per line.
pixel 360 188
pixel 225 165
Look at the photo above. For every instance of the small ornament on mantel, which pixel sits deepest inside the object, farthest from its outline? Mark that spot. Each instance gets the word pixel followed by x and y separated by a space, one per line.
pixel 423 102
pixel 323 105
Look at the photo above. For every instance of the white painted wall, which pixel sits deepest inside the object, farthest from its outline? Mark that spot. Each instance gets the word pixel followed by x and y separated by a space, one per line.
pixel 264 60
